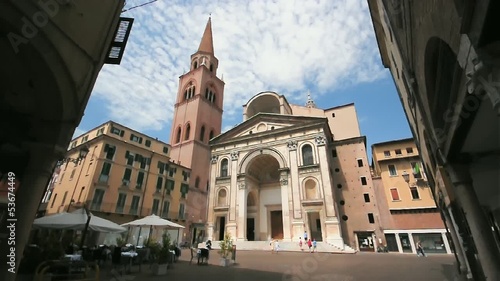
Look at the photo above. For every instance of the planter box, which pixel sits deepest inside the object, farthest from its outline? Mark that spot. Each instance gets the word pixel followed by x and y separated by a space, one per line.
pixel 224 262
pixel 159 269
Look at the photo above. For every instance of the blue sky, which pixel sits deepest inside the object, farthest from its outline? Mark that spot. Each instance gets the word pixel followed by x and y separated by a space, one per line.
pixel 291 47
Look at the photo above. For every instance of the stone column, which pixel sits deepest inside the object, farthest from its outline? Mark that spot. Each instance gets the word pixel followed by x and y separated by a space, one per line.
pixel 294 185
pixel 457 242
pixel 242 212
pixel 482 234
pixel 285 207
pixel 212 196
pixel 37 174
pixel 233 190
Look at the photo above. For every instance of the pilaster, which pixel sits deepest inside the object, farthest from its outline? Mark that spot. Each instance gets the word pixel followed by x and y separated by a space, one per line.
pixel 242 206
pixel 285 205
pixel 325 176
pixel 294 177
pixel 233 190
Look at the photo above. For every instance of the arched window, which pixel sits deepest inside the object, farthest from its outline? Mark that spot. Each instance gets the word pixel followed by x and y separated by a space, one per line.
pixel 211 67
pixel 189 92
pixel 178 136
pixel 210 95
pixel 310 189
pixel 307 155
pixel 211 136
pixel 221 198
pixel 202 133
pixel 224 167
pixel 197 182
pixel 188 131
pixel 195 65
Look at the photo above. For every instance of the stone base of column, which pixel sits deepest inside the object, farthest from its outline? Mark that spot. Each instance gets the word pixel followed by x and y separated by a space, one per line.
pixel 231 228
pixel 297 230
pixel 210 232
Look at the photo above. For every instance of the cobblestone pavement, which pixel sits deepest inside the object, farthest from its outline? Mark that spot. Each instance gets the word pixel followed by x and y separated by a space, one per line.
pixel 264 266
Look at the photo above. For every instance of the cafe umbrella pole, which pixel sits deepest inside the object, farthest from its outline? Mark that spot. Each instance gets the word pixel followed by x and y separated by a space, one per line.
pixel 89 217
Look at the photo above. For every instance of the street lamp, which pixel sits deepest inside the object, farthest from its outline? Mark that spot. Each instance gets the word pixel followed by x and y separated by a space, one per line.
pixel 406 177
pixel 81 155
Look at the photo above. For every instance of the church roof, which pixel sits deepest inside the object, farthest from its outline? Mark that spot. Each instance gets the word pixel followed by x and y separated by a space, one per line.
pixel 283 124
pixel 207 44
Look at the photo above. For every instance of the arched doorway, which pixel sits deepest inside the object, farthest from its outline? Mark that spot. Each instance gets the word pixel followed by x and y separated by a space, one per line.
pixel 263 178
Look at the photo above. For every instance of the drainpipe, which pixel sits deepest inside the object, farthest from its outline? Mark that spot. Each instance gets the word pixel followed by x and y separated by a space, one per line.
pixel 146 184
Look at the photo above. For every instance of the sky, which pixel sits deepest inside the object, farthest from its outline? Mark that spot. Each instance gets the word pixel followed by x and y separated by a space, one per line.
pixel 327 47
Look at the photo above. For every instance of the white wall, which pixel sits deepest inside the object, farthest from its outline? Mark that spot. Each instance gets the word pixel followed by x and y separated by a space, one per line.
pixel 268 196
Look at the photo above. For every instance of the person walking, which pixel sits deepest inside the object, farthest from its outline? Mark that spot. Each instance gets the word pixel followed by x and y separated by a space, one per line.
pixel 314 243
pixel 300 244
pixel 276 246
pixel 305 236
pixel 420 250
pixel 271 244
pixel 309 244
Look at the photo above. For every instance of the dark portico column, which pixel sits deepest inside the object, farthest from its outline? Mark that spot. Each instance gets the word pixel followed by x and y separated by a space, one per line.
pixel 476 218
pixel 37 173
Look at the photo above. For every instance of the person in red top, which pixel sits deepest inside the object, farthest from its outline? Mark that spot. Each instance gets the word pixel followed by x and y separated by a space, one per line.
pixel 309 244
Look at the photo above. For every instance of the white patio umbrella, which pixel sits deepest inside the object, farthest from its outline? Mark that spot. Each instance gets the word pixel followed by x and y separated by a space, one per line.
pixel 77 220
pixel 154 220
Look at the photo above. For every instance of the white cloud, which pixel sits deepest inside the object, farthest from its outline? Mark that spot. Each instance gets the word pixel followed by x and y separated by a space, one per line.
pixel 283 46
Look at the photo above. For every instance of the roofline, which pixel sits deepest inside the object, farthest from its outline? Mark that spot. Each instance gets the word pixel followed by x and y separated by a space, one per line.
pixel 394 141
pixel 116 123
pixel 286 130
pixel 339 106
pixel 266 114
pixel 350 140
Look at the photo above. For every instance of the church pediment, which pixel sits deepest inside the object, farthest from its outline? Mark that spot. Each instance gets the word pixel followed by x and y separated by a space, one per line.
pixel 263 123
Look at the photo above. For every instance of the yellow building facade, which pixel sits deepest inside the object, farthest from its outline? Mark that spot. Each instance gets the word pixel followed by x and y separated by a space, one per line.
pixel 409 213
pixel 125 175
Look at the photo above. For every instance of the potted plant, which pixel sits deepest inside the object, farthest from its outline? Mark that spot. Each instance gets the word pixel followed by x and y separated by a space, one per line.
pixel 161 254
pixel 226 248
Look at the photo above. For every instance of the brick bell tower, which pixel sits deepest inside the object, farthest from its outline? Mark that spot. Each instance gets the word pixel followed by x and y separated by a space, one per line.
pixel 197 119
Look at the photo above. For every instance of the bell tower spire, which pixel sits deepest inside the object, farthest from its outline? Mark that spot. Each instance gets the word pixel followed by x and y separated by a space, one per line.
pixel 207 44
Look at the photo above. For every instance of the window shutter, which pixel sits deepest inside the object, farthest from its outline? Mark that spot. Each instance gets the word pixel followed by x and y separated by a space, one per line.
pixel 140 140
pixel 122 133
pixel 127 154
pixel 132 136
pixel 106 148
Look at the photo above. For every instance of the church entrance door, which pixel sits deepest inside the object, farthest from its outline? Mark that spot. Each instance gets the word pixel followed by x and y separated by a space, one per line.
pixel 277 224
pixel 250 229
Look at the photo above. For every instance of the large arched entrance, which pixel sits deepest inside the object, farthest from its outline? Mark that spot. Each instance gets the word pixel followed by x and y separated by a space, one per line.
pixel 264 205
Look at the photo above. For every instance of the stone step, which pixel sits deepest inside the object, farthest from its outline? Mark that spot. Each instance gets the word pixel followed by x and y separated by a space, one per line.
pixel 322 247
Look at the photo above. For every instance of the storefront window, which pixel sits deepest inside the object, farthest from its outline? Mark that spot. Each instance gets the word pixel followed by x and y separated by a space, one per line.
pixel 365 241
pixel 405 242
pixel 431 242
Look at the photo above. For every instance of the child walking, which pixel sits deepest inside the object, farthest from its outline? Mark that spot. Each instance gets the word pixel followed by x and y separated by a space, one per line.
pixel 309 244
pixel 300 244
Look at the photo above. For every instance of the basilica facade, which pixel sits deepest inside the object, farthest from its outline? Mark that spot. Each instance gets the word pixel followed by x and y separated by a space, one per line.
pixel 274 176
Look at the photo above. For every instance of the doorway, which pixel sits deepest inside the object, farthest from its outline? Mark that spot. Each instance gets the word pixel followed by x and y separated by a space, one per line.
pixel 277 224
pixel 222 227
pixel 315 226
pixel 365 241
pixel 392 243
pixel 250 229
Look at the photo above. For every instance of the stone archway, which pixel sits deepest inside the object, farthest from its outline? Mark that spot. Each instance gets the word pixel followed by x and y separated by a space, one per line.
pixel 261 172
